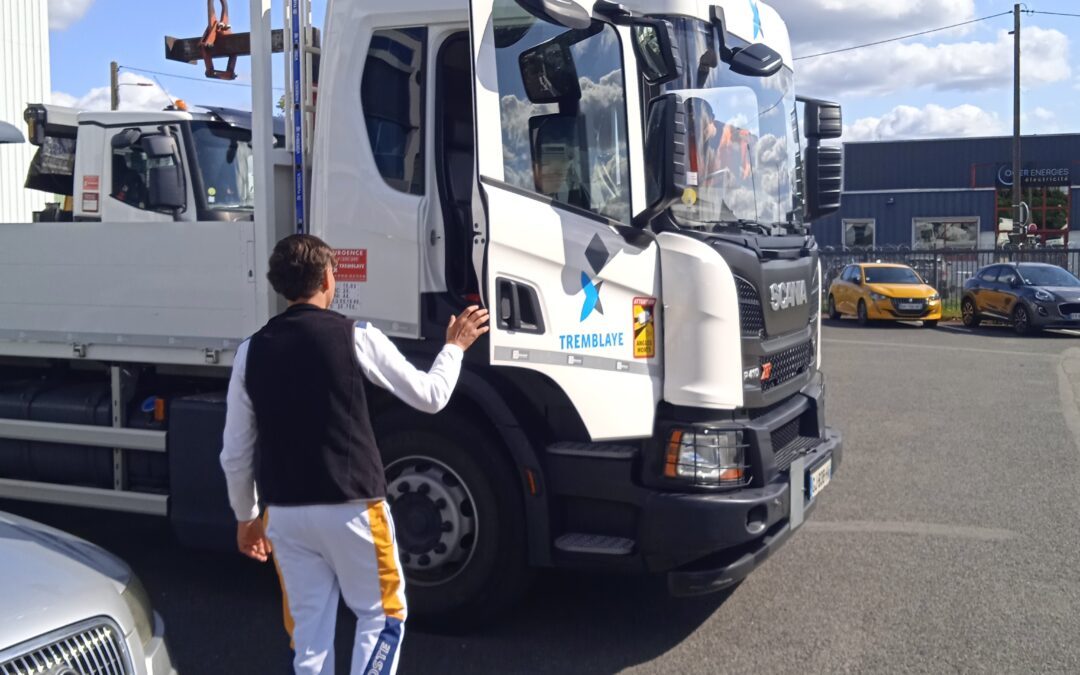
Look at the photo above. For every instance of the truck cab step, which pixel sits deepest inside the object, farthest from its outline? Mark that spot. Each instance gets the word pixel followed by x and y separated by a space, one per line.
pixel 594 544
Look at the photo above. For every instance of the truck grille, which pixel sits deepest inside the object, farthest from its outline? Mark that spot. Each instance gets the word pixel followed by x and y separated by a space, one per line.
pixel 94 647
pixel 788 444
pixel 751 318
pixel 787 365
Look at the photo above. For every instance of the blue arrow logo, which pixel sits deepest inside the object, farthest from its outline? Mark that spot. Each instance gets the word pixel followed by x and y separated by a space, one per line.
pixel 758 32
pixel 592 296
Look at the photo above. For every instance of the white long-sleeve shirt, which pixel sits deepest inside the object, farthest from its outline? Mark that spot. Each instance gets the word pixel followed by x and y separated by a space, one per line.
pixel 381 363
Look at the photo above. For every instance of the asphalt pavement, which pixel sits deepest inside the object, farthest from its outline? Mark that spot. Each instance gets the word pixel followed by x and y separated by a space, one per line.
pixel 947 542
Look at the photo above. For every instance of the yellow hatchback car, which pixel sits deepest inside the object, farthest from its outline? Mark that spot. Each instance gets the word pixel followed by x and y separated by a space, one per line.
pixel 876 291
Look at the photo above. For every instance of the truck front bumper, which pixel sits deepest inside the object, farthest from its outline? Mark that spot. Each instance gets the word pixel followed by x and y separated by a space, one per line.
pixel 729 535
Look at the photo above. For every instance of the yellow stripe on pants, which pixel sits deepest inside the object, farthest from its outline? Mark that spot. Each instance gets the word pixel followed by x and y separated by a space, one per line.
pixel 389 574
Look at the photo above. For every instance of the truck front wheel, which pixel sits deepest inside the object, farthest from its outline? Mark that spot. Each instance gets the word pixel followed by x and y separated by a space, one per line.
pixel 458 520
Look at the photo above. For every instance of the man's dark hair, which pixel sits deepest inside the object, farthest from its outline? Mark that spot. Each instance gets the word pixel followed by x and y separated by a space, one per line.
pixel 297 266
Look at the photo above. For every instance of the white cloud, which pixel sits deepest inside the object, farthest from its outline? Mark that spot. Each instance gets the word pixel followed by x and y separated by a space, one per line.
pixel 136 93
pixel 64 13
pixel 933 121
pixel 1040 120
pixel 822 24
pixel 967 66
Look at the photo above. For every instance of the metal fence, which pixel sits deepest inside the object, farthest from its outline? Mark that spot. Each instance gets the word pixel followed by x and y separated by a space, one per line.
pixel 946 270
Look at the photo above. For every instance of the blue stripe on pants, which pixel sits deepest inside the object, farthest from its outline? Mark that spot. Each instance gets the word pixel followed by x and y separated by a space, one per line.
pixel 382 657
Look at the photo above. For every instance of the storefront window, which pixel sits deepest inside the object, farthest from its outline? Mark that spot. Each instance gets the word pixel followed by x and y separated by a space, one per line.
pixel 859 233
pixel 1049 214
pixel 939 233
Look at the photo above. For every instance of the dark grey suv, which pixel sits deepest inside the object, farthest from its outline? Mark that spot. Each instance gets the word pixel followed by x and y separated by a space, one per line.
pixel 1030 296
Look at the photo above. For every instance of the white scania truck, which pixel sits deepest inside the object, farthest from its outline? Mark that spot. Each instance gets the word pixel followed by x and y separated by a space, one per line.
pixel 628 187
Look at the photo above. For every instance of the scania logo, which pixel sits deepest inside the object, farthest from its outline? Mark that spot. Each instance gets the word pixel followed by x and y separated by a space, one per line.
pixel 787 295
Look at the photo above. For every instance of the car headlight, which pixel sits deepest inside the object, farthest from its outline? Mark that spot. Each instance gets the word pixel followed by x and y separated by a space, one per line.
pixel 710 457
pixel 1043 296
pixel 137 600
pixel 878 296
pixel 936 297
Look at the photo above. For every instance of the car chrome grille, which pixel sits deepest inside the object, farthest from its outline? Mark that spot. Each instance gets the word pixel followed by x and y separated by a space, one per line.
pixel 751 317
pixel 94 647
pixel 787 365
pixel 909 301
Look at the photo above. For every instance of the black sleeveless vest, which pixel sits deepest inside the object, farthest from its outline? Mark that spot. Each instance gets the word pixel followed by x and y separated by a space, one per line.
pixel 315 444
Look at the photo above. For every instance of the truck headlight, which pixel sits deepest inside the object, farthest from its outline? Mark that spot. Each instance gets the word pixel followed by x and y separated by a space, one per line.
pixel 711 457
pixel 137 600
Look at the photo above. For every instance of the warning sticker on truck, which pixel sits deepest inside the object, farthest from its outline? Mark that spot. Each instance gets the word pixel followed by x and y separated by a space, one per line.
pixel 351 265
pixel 91 183
pixel 644 328
pixel 90 202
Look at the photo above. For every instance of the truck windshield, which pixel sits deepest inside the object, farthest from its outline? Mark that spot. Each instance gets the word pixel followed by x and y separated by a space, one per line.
pixel 743 140
pixel 225 162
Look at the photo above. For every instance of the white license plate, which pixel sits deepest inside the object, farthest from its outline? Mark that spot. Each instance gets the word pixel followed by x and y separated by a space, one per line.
pixel 1074 317
pixel 820 478
pixel 909 306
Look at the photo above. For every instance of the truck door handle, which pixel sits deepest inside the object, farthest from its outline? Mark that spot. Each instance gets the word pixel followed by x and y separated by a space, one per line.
pixel 518 307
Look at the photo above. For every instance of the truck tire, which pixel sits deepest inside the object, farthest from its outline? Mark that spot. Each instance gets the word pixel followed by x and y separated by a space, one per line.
pixel 458 518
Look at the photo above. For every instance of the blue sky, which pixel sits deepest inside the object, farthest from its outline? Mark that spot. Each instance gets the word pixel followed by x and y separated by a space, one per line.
pixel 952 83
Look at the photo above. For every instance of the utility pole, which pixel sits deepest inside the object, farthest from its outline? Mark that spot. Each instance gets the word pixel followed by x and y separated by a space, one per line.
pixel 1017 171
pixel 114 84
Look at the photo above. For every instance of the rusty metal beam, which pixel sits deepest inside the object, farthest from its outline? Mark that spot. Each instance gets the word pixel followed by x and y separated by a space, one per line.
pixel 188 50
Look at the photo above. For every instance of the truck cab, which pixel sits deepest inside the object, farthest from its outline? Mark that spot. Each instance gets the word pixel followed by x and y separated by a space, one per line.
pixel 627 188
pixel 163 166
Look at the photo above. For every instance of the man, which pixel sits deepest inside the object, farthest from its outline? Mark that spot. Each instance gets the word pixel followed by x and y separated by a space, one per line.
pixel 298 426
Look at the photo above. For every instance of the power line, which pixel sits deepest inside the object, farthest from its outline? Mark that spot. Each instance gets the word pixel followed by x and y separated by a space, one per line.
pixel 902 37
pixel 1035 11
pixel 193 79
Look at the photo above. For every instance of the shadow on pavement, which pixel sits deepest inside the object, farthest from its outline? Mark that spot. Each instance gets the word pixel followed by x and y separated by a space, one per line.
pixel 223 612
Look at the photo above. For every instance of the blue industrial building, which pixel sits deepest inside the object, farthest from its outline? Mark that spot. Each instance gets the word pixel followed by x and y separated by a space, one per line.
pixel 953 193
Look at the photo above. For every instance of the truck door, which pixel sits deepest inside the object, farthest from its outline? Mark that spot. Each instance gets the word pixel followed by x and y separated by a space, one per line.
pixel 571 286
pixel 121 189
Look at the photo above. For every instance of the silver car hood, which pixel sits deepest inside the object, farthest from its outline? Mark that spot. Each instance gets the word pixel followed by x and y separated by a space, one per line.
pixel 50 579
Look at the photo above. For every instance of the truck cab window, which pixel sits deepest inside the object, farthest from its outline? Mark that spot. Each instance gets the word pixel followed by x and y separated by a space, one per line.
pixel 563 109
pixel 131 175
pixel 392 97
pixel 226 164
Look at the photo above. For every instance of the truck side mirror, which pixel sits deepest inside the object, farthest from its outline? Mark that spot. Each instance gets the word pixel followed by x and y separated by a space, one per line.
pixel 665 156
pixel 166 186
pixel 757 60
pixel 824 168
pixel 125 139
pixel 657 56
pixel 570 14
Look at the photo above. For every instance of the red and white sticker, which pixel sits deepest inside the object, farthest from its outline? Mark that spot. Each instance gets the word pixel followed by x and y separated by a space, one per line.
pixel 351 265
pixel 90 202
pixel 92 183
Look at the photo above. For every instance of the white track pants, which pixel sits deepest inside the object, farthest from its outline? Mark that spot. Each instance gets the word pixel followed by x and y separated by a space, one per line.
pixel 350 549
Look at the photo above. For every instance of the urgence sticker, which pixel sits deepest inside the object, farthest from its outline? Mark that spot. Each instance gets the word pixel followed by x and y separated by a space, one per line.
pixel 351 265
pixel 644 328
